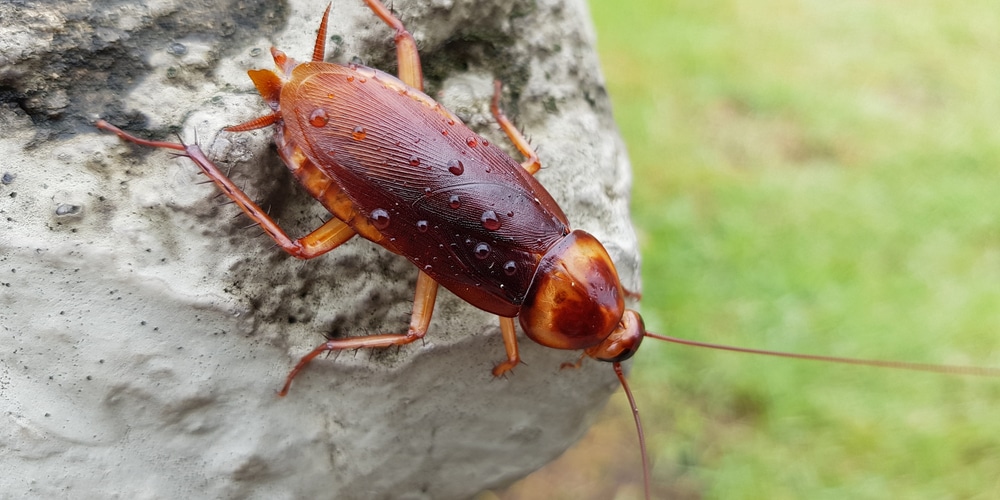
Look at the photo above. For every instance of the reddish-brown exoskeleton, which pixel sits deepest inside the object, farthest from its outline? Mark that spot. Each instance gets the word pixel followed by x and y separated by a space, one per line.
pixel 475 220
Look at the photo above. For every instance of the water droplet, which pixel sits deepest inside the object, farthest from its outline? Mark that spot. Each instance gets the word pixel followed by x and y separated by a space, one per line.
pixel 472 142
pixel 454 201
pixel 350 78
pixel 456 167
pixel 359 133
pixel 481 251
pixel 362 79
pixel 485 142
pixel 490 220
pixel 450 121
pixel 444 131
pixel 414 160
pixel 510 214
pixel 380 218
pixel 422 226
pixel 318 117
pixel 510 267
pixel 256 51
pixel 329 95
pixel 353 66
pixel 427 190
pixel 427 267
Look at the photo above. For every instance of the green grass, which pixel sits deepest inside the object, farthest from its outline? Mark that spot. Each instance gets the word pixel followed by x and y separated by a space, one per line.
pixel 817 177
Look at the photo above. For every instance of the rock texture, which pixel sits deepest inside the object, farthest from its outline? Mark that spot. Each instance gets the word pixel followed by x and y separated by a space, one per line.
pixel 144 331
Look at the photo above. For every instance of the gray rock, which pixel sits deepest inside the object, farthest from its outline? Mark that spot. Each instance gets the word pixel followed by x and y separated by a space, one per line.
pixel 144 332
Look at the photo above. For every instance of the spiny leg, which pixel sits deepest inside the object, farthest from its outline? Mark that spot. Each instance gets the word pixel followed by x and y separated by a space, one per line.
pixel 255 123
pixel 407 57
pixel 420 320
pixel 531 164
pixel 509 333
pixel 325 238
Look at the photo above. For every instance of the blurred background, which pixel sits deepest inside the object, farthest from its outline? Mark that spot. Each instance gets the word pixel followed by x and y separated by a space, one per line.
pixel 816 177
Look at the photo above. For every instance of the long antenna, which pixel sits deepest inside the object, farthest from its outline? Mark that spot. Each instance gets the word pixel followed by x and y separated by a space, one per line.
pixel 638 428
pixel 900 365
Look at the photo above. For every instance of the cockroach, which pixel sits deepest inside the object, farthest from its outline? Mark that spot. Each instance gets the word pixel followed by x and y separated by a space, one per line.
pixel 447 204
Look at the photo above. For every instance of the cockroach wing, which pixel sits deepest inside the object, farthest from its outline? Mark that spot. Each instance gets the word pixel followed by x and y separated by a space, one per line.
pixel 456 206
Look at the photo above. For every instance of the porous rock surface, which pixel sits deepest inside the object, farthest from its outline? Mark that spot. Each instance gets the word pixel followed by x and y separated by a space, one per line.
pixel 144 330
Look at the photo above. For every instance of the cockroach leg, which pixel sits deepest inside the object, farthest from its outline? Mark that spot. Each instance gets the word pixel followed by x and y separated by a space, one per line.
pixel 330 235
pixel 103 125
pixel 574 366
pixel 509 332
pixel 531 164
pixel 327 237
pixel 420 320
pixel 408 60
pixel 256 123
pixel 631 294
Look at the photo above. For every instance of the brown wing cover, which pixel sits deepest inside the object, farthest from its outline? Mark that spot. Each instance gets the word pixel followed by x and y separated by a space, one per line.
pixel 456 206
